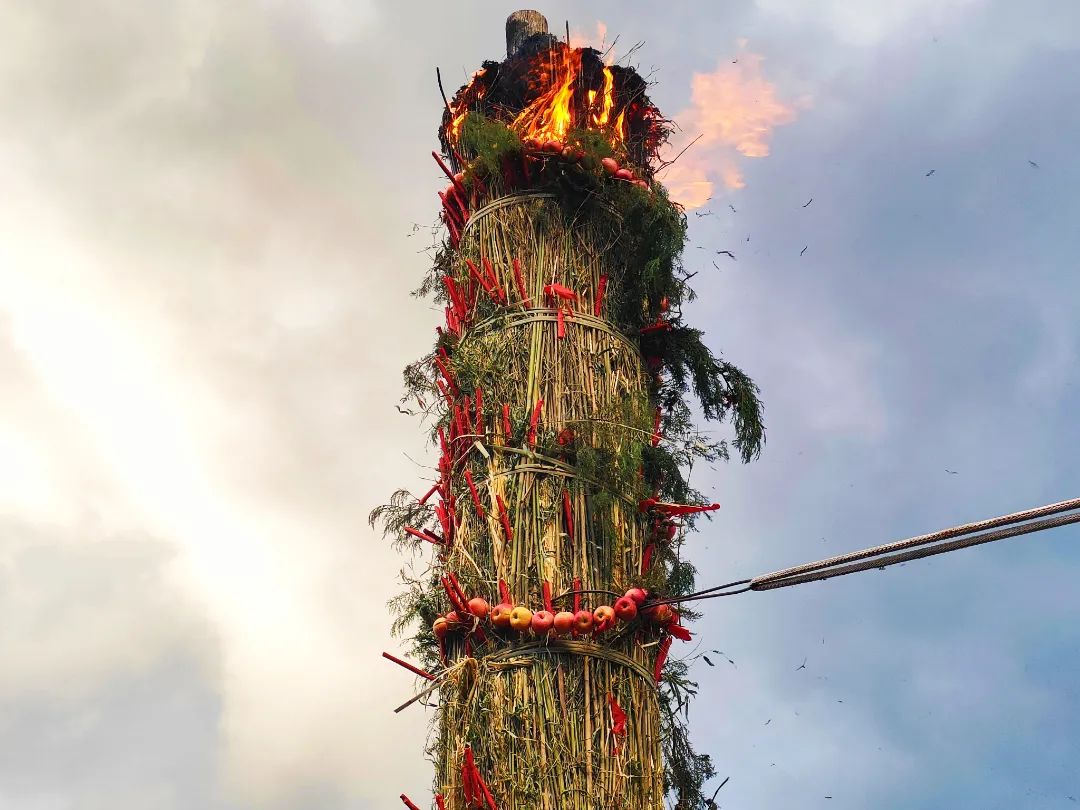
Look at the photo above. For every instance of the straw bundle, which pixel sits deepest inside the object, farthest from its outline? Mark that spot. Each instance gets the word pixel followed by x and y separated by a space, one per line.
pixel 539 715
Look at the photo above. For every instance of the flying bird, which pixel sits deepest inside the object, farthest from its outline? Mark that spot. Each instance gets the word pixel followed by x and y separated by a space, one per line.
pixel 732 207
pixel 930 172
pixel 808 202
pixel 801 666
pixel 1033 163
pixel 952 472
pixel 707 661
pixel 726 253
pixel 801 252
pixel 768 721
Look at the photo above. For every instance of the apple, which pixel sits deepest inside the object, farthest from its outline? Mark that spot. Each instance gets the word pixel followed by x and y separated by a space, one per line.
pixel 453 618
pixel 610 165
pixel 642 184
pixel 564 622
pixel 624 174
pixel 568 153
pixel 604 617
pixel 542 621
pixel 583 622
pixel 459 178
pixel 440 627
pixel 625 609
pixel 479 607
pixel 531 143
pixel 500 615
pixel 520 618
pixel 553 146
pixel 636 595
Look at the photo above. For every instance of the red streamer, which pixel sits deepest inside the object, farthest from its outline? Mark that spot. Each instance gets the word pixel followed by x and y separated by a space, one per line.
pixel 475 495
pixel 577 594
pixel 521 284
pixel 507 430
pixel 618 722
pixel 504 518
pixel 656 428
pixel 547 597
pixel 407 803
pixel 600 288
pixel 408 666
pixel 661 658
pixel 534 421
pixel 504 593
pixel 568 513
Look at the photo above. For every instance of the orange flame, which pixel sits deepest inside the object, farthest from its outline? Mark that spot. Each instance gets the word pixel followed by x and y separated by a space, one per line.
pixel 466 97
pixel 550 115
pixel 734 109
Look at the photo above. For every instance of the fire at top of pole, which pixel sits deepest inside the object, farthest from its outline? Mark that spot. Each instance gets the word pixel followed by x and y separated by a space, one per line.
pixel 547 90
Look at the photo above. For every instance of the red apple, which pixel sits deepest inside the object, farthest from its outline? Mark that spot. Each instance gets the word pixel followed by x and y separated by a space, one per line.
pixel 453 618
pixel 624 174
pixel 531 143
pixel 625 609
pixel 583 622
pixel 564 622
pixel 637 595
pixel 604 617
pixel 520 618
pixel 479 607
pixel 440 627
pixel 642 184
pixel 542 621
pixel 610 165
pixel 568 153
pixel 500 615
pixel 553 146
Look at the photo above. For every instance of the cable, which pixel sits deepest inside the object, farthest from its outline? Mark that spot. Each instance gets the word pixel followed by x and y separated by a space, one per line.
pixel 899 551
pixel 923 539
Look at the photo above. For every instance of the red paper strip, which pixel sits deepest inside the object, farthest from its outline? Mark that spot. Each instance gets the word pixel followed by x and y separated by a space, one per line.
pixel 679 632
pixel 424 534
pixel 479 405
pixel 646 558
pixel 475 495
pixel 504 518
pixel 521 284
pixel 507 430
pixel 547 597
pixel 560 331
pixel 430 492
pixel 618 722
pixel 495 285
pixel 408 666
pixel 407 803
pixel 577 594
pixel 559 291
pixel 600 288
pixel 659 326
pixel 656 428
pixel 568 513
pixel 448 173
pixel 440 802
pixel 534 421
pixel 504 593
pixel 661 658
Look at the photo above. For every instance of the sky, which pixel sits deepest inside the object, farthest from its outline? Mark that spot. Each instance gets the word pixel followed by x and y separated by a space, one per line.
pixel 212 217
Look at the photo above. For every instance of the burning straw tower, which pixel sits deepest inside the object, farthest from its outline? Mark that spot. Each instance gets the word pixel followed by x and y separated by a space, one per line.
pixel 557 399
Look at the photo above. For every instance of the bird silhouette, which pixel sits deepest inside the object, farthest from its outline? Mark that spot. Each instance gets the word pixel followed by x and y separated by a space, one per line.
pixel 726 253
pixel 930 172
pixel 808 202
pixel 801 666
pixel 801 252
pixel 952 472
pixel 1033 163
